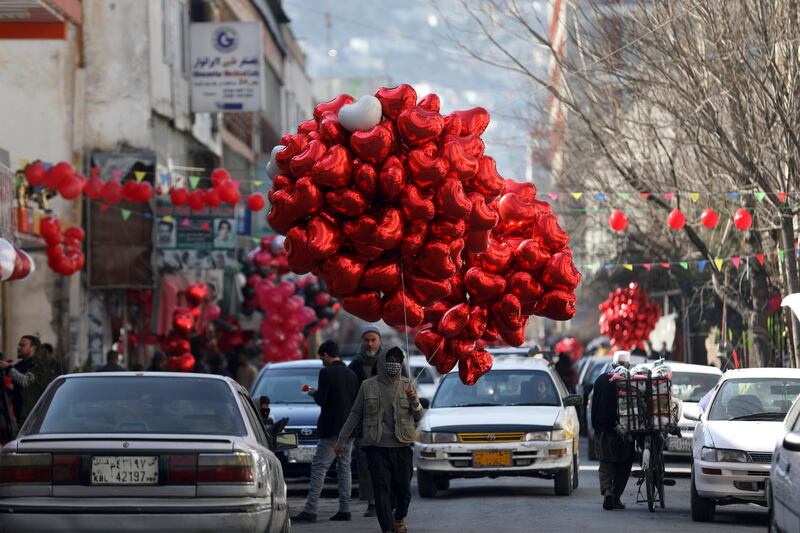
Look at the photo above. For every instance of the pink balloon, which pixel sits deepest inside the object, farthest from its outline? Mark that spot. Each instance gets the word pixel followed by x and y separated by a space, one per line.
pixel 213 312
pixel 286 288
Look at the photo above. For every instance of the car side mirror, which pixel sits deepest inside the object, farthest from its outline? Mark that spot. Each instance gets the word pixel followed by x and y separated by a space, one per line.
pixel 791 441
pixel 285 441
pixel 573 400
pixel 693 415
pixel 425 403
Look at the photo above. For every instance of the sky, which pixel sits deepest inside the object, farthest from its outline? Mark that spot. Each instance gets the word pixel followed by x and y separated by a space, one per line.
pixel 407 41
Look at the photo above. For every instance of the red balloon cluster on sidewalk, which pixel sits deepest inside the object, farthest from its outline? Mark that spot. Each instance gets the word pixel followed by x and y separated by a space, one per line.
pixel 628 316
pixel 64 250
pixel 285 318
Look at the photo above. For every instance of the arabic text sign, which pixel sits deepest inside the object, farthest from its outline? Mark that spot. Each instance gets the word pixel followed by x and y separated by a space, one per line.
pixel 226 66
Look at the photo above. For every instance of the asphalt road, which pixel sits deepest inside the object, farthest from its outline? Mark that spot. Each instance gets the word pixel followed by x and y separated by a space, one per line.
pixel 526 505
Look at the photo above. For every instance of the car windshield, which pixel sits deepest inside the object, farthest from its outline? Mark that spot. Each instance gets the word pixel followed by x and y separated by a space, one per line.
pixel 422 375
pixel 692 386
pixel 754 399
pixel 285 385
pixel 498 387
pixel 140 404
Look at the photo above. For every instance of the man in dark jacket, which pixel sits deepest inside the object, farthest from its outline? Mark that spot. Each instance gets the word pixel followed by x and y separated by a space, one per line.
pixel 614 450
pixel 336 392
pixel 365 366
pixel 29 376
pixel 112 363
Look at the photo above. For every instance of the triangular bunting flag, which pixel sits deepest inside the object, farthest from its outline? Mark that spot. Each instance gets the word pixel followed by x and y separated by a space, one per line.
pixel 665 265
pixel 168 218
pixel 781 255
pixel 608 266
pixel 718 263
pixel 194 180
pixel 668 196
pixel 736 261
pixel 760 195
pixel 694 196
pixel 553 196
pixel 760 259
pixel 139 175
pixel 186 223
pixel 256 240
pixel 23 163
pixel 126 213
pixel 18 182
pixel 600 196
pixel 47 165
pixel 624 195
pixel 644 195
pixel 684 265
pixel 164 178
pixel 734 195
pixel 782 196
pixel 647 266
pixel 702 264
pixel 236 183
pixel 628 266
pixel 258 183
pixel 576 195
pixel 103 207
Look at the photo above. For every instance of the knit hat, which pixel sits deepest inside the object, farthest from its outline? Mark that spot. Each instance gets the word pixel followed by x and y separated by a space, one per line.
pixel 370 329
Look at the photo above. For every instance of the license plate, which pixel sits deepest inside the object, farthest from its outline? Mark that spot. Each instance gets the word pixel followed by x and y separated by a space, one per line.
pixel 302 454
pixel 491 458
pixel 124 470
pixel 677 444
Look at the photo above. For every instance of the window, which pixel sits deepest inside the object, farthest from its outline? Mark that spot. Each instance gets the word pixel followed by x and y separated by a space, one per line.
pixel 498 387
pixel 286 386
pixel 255 420
pixel 692 386
pixel 754 399
pixel 422 375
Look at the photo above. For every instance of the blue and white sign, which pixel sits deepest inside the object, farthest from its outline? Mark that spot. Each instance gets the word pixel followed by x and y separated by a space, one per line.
pixel 226 67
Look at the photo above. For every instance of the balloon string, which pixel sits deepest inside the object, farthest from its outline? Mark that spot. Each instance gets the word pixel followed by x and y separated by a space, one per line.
pixel 405 318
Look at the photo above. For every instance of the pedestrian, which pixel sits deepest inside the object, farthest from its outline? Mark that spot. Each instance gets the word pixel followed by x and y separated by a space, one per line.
pixel 198 348
pixel 28 375
pixel 158 363
pixel 566 370
pixel 614 449
pixel 112 363
pixel 53 364
pixel 218 364
pixel 246 373
pixel 264 408
pixel 364 366
pixel 388 409
pixel 336 392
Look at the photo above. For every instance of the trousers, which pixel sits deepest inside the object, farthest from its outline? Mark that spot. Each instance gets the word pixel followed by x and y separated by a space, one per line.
pixel 364 479
pixel 616 460
pixel 323 458
pixel 391 470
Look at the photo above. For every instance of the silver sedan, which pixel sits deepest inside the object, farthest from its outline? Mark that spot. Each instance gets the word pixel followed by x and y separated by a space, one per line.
pixel 143 452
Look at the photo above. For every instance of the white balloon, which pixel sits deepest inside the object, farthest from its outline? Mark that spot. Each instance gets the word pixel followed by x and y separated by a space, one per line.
pixel 792 302
pixel 361 115
pixel 272 167
pixel 8 255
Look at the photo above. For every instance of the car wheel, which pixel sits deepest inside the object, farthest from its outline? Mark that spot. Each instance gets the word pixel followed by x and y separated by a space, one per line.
pixel 703 509
pixel 426 484
pixel 287 524
pixel 575 471
pixel 563 481
pixel 442 483
pixel 592 453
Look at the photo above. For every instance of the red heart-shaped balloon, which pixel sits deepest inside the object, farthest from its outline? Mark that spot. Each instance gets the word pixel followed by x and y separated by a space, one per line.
pixel 443 361
pixel 361 230
pixel 308 126
pixel 365 305
pixel 453 321
pixel 415 205
pixel 332 106
pixel 334 169
pixel 373 145
pixel 301 164
pixel 472 144
pixel 483 216
pixel 452 125
pixel 331 131
pixel 347 202
pixel 506 313
pixel 497 258
pixel 182 320
pixel 427 291
pixel 445 229
pixel 181 363
pixel 473 121
pixel 430 102
pixel 365 178
pixel 483 286
pixel 290 207
pixel 392 178
pixel 401 309
pixel 294 146
pixel 462 165
pixel 487 180
pixel 429 342
pixel 433 313
pixel 415 237
pixel 419 126
pixel 531 257
pixel 434 260
pixel 396 99
pixel 550 233
pixel 478 317
pixel 383 275
pixel 452 201
pixel 195 293
pixel 324 238
pixel 426 171
pixel 515 336
pixel 342 273
pixel 560 272
pixel 526 191
pixel 556 305
pixel 389 233
pixel 300 258
pixel 525 287
pixel 473 367
pixel 477 241
pixel 459 347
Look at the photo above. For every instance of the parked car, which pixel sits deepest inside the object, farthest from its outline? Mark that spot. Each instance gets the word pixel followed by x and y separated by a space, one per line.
pixel 162 451
pixel 735 437
pixel 518 420
pixel 590 370
pixel 783 485
pixel 426 375
pixel 689 384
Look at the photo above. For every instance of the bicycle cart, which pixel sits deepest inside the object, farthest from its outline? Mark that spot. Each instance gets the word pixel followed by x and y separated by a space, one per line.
pixel 645 413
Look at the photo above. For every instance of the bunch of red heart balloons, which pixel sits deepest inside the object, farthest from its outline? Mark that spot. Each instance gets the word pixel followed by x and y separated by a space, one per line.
pixel 316 296
pixel 64 254
pixel 15 263
pixel 223 189
pixel 399 210
pixel 177 345
pixel 628 316
pixel 571 346
pixel 285 318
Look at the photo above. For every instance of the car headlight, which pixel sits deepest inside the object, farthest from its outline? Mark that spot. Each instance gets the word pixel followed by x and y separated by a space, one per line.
pixel 434 437
pixel 716 455
pixel 561 434
pixel 537 435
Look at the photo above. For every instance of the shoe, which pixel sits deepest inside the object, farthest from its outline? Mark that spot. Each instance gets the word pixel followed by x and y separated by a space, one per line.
pixel 370 512
pixel 304 517
pixel 618 503
pixel 608 502
pixel 341 517
pixel 400 526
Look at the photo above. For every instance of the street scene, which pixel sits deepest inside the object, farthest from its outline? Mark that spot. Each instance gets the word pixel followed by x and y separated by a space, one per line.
pixel 435 265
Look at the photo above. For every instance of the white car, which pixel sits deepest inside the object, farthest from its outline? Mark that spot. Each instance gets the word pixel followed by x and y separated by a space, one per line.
pixel 783 487
pixel 735 437
pixel 426 376
pixel 689 384
pixel 143 451
pixel 517 420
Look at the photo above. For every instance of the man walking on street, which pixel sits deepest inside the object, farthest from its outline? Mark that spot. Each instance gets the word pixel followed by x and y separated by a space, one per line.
pixel 112 363
pixel 338 388
pixel 28 375
pixel 364 365
pixel 388 409
pixel 246 373
pixel 614 449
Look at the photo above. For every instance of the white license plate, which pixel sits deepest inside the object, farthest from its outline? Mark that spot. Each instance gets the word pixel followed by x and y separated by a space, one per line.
pixel 302 454
pixel 124 470
pixel 677 444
